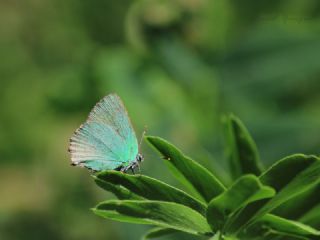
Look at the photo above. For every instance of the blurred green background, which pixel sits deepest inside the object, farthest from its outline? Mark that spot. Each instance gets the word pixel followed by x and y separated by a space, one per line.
pixel 177 64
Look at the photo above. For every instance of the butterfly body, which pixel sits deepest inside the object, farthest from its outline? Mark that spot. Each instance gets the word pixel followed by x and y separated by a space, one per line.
pixel 106 141
pixel 132 165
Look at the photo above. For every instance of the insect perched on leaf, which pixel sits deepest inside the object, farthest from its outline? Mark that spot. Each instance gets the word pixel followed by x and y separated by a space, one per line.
pixel 106 141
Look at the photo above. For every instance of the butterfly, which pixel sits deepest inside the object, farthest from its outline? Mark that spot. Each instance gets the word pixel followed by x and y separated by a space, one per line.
pixel 106 141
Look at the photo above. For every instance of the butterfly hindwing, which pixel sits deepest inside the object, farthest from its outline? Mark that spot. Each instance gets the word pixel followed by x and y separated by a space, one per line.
pixel 106 140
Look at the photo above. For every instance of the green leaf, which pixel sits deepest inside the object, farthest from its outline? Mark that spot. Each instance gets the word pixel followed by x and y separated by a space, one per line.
pixel 216 236
pixel 158 213
pixel 301 204
pixel 159 232
pixel 295 174
pixel 187 170
pixel 243 153
pixel 312 217
pixel 245 190
pixel 219 236
pixel 151 188
pixel 287 227
pixel 290 177
pixel 119 191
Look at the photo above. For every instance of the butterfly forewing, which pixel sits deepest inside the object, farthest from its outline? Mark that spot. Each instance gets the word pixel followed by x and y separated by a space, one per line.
pixel 106 140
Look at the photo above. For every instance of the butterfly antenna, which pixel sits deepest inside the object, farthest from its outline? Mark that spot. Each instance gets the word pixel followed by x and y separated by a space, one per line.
pixel 142 136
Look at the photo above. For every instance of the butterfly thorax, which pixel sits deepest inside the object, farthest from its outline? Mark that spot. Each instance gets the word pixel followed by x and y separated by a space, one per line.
pixel 132 165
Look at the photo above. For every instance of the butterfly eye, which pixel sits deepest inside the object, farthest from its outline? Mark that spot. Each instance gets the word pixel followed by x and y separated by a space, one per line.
pixel 139 157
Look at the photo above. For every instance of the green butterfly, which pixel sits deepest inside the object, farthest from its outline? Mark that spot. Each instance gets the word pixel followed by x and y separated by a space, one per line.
pixel 106 140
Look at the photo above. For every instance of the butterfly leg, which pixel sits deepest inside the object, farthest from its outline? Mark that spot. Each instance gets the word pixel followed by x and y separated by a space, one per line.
pixel 92 171
pixel 120 169
pixel 132 169
pixel 138 166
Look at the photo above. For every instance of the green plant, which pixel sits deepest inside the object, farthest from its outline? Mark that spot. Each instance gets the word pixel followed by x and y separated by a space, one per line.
pixel 281 202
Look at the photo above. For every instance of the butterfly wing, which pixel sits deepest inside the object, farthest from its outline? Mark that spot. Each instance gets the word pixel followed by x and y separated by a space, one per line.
pixel 107 139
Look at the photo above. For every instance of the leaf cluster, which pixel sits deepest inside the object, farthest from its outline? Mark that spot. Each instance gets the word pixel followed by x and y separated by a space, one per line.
pixel 279 202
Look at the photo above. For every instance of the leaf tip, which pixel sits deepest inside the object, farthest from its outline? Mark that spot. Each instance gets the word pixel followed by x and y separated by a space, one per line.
pixel 93 209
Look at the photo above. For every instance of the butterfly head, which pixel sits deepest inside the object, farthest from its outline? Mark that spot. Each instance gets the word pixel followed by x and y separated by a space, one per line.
pixel 139 157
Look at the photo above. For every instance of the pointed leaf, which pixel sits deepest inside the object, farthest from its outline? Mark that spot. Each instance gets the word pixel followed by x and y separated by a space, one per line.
pixel 312 217
pixel 190 172
pixel 216 236
pixel 119 191
pixel 245 190
pixel 301 204
pixel 287 227
pixel 290 177
pixel 151 188
pixel 299 178
pixel 161 214
pixel 243 153
pixel 159 232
